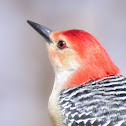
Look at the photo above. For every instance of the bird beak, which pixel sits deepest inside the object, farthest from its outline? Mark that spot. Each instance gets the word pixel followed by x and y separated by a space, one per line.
pixel 43 31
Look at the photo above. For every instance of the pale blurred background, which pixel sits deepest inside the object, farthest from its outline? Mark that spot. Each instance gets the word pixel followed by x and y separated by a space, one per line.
pixel 26 76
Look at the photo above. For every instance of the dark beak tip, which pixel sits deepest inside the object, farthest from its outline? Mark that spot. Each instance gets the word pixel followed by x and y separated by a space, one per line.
pixel 31 23
pixel 42 30
pixel 28 21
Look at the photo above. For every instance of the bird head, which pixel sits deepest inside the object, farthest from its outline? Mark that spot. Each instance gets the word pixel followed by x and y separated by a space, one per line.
pixel 76 56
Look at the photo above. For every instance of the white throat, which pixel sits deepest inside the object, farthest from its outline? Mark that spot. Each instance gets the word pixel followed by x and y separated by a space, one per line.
pixel 62 74
pixel 61 77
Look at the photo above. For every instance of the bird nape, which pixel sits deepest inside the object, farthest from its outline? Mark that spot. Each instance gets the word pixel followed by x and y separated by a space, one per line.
pixel 89 89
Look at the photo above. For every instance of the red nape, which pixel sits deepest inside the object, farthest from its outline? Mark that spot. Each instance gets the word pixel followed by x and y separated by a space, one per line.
pixel 94 62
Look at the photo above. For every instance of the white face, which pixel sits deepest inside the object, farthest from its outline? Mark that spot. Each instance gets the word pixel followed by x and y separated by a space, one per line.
pixel 64 60
pixel 62 56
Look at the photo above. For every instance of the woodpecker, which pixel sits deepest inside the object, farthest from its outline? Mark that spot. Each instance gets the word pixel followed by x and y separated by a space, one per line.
pixel 89 89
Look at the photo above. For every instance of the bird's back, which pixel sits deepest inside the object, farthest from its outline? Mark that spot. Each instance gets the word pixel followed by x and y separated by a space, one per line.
pixel 100 102
pixel 78 57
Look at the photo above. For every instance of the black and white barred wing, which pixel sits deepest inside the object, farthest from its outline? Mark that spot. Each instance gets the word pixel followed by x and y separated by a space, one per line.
pixel 97 103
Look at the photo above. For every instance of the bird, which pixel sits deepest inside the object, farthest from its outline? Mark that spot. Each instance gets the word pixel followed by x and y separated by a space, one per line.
pixel 89 89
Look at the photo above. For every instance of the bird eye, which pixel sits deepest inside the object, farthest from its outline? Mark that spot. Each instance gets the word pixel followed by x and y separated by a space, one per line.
pixel 61 44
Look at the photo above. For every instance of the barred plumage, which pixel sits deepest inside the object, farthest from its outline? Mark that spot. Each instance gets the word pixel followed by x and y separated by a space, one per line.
pixel 100 102
pixel 78 57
